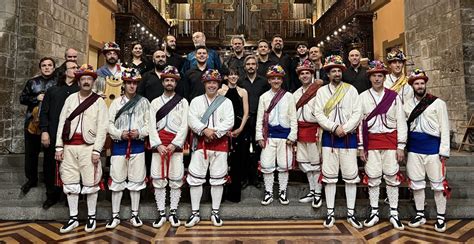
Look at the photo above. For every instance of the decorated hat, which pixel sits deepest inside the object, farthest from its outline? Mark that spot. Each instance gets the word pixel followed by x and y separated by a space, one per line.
pixel 110 46
pixel 417 74
pixel 377 66
pixel 131 74
pixel 275 71
pixel 85 69
pixel 305 65
pixel 396 55
pixel 170 72
pixel 334 61
pixel 211 75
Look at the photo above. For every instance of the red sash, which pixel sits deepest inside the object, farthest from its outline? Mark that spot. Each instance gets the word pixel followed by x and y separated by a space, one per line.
pixel 166 138
pixel 383 141
pixel 220 145
pixel 75 140
pixel 307 132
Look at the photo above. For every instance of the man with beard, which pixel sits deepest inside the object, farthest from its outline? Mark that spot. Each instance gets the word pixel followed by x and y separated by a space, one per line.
pixel 299 58
pixel 356 74
pixel 49 119
pixel 236 59
pixel 277 56
pixel 69 55
pixel 397 81
pixel 151 85
pixel 128 127
pixel 255 85
pixel 213 62
pixel 110 74
pixel 32 97
pixel 382 139
pixel 168 131
pixel 276 132
pixel 263 49
pixel 307 154
pixel 428 149
pixel 192 86
pixel 172 58
pixel 316 57
pixel 80 138
pixel 338 112
pixel 211 118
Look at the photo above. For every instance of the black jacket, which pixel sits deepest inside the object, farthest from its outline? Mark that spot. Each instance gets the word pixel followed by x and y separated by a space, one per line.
pixel 150 86
pixel 255 90
pixel 358 79
pixel 34 87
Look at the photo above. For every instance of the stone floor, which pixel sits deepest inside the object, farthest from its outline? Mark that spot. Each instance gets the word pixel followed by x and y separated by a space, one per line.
pixel 282 231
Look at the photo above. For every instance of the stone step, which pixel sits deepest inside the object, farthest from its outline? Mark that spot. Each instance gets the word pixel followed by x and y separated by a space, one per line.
pixel 247 209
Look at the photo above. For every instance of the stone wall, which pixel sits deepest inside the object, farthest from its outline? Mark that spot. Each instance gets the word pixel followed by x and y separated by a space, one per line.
pixel 29 30
pixel 435 40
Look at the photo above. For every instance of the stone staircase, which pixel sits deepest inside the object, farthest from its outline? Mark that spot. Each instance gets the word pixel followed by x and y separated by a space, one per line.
pixel 16 206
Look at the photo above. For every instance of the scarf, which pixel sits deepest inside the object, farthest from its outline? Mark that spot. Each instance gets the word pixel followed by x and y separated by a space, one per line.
pixel 338 95
pixel 307 95
pixel 266 116
pixel 426 101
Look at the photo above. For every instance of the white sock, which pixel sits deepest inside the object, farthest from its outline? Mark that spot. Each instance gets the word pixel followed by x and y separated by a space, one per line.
pixel 216 194
pixel 135 199
pixel 283 180
pixel 317 186
pixel 73 202
pixel 351 191
pixel 440 201
pixel 419 196
pixel 175 195
pixel 310 177
pixel 268 180
pixel 92 203
pixel 374 193
pixel 330 190
pixel 160 198
pixel 116 199
pixel 392 194
pixel 196 194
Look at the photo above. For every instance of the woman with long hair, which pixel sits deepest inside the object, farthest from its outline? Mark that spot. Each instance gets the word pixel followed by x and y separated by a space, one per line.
pixel 138 60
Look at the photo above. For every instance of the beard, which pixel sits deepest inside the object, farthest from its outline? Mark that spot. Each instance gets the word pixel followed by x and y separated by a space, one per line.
pixel 111 61
pixel 420 92
pixel 160 66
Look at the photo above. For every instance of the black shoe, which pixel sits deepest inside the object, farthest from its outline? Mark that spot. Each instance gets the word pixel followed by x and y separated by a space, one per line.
pixel 27 187
pixel 49 203
pixel 258 184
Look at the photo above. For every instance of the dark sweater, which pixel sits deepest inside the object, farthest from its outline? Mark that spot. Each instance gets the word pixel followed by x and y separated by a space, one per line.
pixel 358 79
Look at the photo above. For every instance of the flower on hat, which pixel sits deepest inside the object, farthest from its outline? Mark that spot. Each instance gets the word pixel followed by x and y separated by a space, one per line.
pixel 170 72
pixel 395 55
pixel 131 74
pixel 211 75
pixel 305 65
pixel 377 66
pixel 275 71
pixel 334 61
pixel 110 46
pixel 85 69
pixel 417 74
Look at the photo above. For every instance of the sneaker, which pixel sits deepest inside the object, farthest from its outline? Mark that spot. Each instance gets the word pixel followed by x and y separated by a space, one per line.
pixel 440 224
pixel 397 224
pixel 372 220
pixel 418 220
pixel 216 219
pixel 193 220
pixel 173 218
pixel 283 198
pixel 136 221
pixel 160 221
pixel 91 223
pixel 114 222
pixel 267 198
pixel 317 200
pixel 308 198
pixel 70 225
pixel 329 222
pixel 354 222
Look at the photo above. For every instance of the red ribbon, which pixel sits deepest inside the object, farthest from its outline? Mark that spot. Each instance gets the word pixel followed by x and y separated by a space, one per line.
pixel 228 179
pixel 58 182
pixel 400 177
pixel 165 159
pixel 365 178
pixel 129 148
pixel 446 188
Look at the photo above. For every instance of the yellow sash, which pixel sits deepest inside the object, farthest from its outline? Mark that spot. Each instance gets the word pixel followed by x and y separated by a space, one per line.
pixel 338 95
pixel 397 86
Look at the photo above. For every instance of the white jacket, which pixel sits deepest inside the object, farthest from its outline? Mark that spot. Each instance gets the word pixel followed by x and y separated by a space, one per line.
pixel 406 92
pixel 306 112
pixel 222 120
pixel 135 118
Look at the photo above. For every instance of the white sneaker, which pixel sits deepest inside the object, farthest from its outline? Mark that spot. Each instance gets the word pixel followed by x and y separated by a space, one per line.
pixel 317 201
pixel 308 198
pixel 91 223
pixel 329 222
pixel 160 221
pixel 283 198
pixel 372 220
pixel 417 221
pixel 193 220
pixel 70 225
pixel 267 198
pixel 440 224
pixel 114 222
pixel 397 224
pixel 136 221
pixel 216 219
pixel 354 222
pixel 174 220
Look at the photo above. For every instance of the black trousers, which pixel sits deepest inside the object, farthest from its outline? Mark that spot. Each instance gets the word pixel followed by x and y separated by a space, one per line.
pixel 32 150
pixel 251 164
pixel 238 166
pixel 53 192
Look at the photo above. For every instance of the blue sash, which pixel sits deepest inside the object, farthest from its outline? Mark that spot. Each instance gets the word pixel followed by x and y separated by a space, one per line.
pixel 330 140
pixel 120 147
pixel 423 143
pixel 278 131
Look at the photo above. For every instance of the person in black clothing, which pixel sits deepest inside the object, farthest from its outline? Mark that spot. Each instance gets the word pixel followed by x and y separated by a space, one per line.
pixel 191 86
pixel 69 55
pixel 264 62
pixel 255 85
pixel 172 58
pixel 239 148
pixel 49 119
pixel 138 61
pixel 356 74
pixel 32 96
pixel 301 56
pixel 284 60
pixel 236 60
pixel 316 57
pixel 151 85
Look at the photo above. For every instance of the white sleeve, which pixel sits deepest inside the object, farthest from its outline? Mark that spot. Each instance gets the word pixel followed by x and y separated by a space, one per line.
pixel 183 131
pixel 228 120
pixel 114 132
pixel 293 119
pixel 259 123
pixel 193 118
pixel 155 140
pixel 353 122
pixel 443 120
pixel 323 121
pixel 402 128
